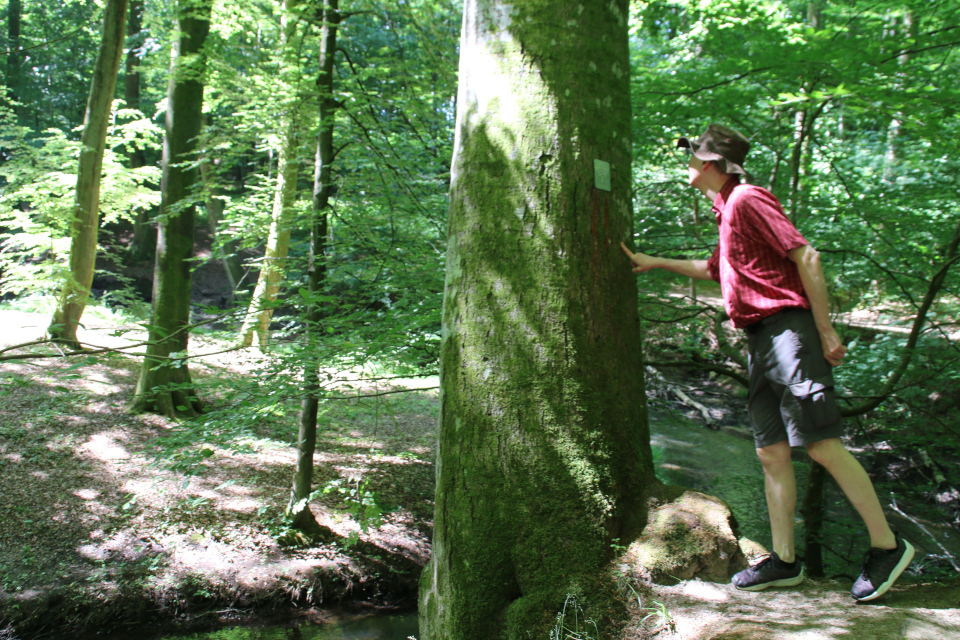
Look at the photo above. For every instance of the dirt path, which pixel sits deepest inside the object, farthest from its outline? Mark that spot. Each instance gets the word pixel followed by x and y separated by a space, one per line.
pixel 817 610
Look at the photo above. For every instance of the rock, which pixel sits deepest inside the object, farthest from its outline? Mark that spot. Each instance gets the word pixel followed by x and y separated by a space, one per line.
pixel 691 536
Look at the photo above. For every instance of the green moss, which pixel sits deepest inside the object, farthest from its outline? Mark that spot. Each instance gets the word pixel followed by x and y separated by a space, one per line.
pixel 544 450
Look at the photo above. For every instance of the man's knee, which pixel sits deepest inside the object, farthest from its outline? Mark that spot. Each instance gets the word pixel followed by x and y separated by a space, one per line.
pixel 774 455
pixel 826 452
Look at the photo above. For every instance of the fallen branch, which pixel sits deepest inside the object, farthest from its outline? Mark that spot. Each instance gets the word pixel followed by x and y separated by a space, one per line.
pixel 946 554
pixel 951 257
pixel 687 400
pixel 690 364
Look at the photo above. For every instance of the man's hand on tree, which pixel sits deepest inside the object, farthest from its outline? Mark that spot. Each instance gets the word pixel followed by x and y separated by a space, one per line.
pixel 641 261
pixel 833 348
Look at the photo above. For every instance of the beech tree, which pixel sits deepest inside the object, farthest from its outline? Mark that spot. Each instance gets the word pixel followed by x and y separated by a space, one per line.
pixel 298 509
pixel 256 325
pixel 144 241
pixel 544 449
pixel 164 385
pixel 86 219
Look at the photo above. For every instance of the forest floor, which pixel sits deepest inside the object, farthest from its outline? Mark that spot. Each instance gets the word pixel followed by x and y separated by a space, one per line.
pixel 97 535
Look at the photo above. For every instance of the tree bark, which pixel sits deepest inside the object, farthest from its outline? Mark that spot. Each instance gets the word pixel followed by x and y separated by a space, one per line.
pixel 13 57
pixel 298 509
pixel 544 451
pixel 812 512
pixel 86 208
pixel 256 325
pixel 165 385
pixel 144 239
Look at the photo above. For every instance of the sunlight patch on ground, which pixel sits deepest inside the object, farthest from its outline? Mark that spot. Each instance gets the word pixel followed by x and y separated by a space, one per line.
pixel 817 610
pixel 104 447
pixel 240 505
pixel 97 383
pixel 110 503
pixel 705 591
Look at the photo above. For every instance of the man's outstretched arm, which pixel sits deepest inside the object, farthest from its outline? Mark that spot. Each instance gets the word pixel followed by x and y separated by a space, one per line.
pixel 690 268
pixel 807 260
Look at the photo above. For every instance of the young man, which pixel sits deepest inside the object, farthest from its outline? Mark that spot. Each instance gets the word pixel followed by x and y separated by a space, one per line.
pixel 773 287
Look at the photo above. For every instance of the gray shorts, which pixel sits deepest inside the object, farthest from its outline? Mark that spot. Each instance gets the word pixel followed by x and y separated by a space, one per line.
pixel 791 384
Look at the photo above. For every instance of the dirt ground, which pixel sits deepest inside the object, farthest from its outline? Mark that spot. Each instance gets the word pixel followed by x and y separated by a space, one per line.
pixel 95 535
pixel 816 610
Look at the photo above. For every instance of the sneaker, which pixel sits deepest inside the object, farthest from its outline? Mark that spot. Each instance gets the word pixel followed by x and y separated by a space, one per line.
pixel 769 572
pixel 881 568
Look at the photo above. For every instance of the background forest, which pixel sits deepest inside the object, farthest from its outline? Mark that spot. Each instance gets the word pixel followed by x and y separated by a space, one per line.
pixel 302 238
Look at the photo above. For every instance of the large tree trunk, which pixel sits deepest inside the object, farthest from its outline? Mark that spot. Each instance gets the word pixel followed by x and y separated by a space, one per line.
pixel 144 239
pixel 165 385
pixel 86 208
pixel 544 451
pixel 298 509
pixel 256 325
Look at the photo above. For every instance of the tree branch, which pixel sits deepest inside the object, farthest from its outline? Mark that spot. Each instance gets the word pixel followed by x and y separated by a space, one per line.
pixel 933 290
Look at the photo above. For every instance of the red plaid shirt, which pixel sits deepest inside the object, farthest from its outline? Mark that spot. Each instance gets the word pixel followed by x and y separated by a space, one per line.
pixel 750 262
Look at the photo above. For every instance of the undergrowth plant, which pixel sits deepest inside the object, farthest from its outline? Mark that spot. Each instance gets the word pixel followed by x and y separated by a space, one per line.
pixel 38 179
pixel 572 623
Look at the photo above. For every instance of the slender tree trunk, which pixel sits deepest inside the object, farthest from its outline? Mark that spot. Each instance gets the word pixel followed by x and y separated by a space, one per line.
pixel 544 451
pixel 165 385
pixel 13 78
pixel 796 162
pixel 951 257
pixel 256 325
pixel 144 238
pixel 86 208
pixel 812 512
pixel 298 508
pixel 226 248
pixel 803 120
pixel 696 235
pixel 908 30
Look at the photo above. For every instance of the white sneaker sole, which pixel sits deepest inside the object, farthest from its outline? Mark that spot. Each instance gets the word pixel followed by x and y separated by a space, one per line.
pixel 901 566
pixel 785 582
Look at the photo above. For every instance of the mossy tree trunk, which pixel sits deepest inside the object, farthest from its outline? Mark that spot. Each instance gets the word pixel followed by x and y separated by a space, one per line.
pixel 544 451
pixel 298 509
pixel 256 325
pixel 86 207
pixel 165 385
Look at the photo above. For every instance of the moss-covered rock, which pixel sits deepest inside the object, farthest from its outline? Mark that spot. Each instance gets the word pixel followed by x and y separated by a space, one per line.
pixel 691 535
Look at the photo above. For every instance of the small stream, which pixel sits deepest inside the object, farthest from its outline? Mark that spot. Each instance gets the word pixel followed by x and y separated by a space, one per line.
pixel 721 462
pixel 374 628
pixel 718 462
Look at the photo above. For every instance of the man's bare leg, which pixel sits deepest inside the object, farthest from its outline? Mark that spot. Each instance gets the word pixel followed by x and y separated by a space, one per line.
pixel 857 486
pixel 781 488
